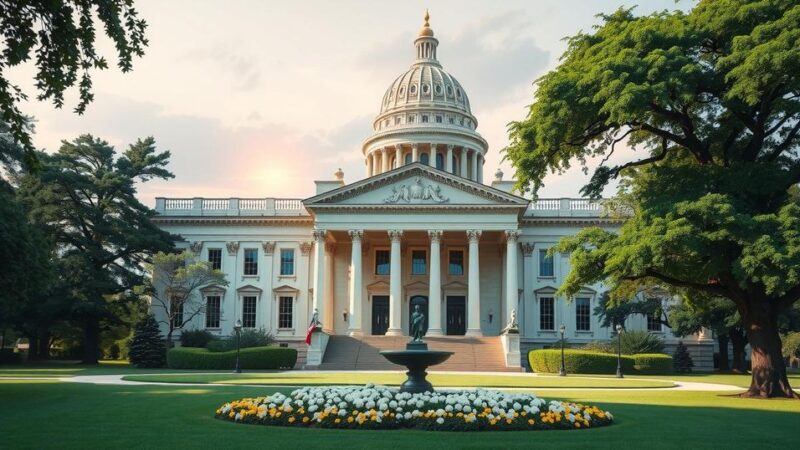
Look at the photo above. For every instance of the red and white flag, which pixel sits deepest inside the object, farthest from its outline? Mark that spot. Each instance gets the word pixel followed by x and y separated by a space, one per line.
pixel 311 329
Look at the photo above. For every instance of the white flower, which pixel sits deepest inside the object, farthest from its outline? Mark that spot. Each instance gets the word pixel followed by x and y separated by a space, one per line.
pixel 440 420
pixel 467 409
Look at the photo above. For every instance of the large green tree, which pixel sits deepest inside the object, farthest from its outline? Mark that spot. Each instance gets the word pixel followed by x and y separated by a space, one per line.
pixel 711 99
pixel 718 315
pixel 59 37
pixel 86 195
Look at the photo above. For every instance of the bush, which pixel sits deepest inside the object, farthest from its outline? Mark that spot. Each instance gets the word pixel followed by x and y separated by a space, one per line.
pixel 600 347
pixel 9 356
pixel 682 360
pixel 791 345
pixel 253 358
pixel 147 346
pixel 577 361
pixel 636 341
pixel 196 338
pixel 247 339
pixel 652 363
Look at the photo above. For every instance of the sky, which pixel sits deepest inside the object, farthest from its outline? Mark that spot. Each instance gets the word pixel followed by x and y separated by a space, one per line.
pixel 261 98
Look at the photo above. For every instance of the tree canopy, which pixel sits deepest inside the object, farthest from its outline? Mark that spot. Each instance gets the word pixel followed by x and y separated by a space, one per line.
pixel 712 99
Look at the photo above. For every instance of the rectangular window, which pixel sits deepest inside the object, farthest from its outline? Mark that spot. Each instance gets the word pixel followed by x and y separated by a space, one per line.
pixel 287 261
pixel 215 258
pixel 654 322
pixel 583 314
pixel 410 119
pixel 250 261
pixel 547 320
pixel 285 312
pixel 212 311
pixel 418 260
pixel 397 121
pixel 438 119
pixel 382 262
pixel 545 264
pixel 456 262
pixel 424 119
pixel 176 311
pixel 249 312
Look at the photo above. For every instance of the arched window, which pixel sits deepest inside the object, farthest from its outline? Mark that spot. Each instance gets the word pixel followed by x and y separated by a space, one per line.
pixel 440 161
pixel 424 158
pixel 408 158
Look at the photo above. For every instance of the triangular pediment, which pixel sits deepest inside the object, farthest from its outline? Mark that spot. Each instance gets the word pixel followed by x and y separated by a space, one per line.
pixel 415 185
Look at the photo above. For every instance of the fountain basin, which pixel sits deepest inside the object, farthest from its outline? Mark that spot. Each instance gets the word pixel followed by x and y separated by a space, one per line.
pixel 416 361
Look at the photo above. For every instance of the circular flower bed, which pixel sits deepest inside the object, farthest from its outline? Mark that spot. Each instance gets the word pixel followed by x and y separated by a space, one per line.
pixel 380 407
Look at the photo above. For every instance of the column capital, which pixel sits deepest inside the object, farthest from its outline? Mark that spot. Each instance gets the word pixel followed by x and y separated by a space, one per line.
pixel 450 146
pixel 435 235
pixel 415 145
pixel 356 235
pixel 395 235
pixel 305 248
pixel 269 247
pixel 512 235
pixel 474 235
pixel 527 248
pixel 233 247
pixel 319 235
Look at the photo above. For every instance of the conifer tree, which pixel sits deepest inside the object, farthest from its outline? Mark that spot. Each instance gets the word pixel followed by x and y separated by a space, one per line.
pixel 146 349
pixel 681 359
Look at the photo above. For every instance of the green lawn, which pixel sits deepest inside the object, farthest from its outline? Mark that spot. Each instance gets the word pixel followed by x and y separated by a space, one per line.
pixel 45 414
pixel 59 369
pixel 394 379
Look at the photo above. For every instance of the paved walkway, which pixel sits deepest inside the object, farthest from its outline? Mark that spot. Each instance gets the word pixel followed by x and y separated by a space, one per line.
pixel 679 385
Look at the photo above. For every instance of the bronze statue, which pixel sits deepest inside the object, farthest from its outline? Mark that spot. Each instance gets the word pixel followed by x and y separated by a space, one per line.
pixel 417 325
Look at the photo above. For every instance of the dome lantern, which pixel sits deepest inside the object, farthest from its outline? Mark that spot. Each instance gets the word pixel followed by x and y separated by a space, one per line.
pixel 426 44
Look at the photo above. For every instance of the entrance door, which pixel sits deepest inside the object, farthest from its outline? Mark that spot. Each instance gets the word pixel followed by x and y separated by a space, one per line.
pixel 456 315
pixel 380 314
pixel 422 301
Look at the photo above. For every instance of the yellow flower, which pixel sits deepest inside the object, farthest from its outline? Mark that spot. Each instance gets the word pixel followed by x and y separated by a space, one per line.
pixel 306 419
pixel 350 419
pixel 291 419
pixel 531 422
pixel 338 420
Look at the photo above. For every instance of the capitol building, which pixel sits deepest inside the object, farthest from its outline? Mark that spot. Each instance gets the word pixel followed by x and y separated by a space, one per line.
pixel 427 226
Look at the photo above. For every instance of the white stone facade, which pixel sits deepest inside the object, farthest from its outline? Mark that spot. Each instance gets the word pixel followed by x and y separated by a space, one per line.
pixel 362 254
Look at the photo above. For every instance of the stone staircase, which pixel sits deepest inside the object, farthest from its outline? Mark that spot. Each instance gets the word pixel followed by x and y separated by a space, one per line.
pixel 484 354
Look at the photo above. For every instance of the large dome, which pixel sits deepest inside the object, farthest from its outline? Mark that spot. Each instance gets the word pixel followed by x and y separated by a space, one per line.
pixel 425 116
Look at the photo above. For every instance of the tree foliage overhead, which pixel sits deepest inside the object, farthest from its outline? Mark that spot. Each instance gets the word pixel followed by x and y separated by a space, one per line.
pixel 59 37
pixel 712 99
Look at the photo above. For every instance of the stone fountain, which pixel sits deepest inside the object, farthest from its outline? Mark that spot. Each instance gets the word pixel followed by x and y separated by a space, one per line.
pixel 416 357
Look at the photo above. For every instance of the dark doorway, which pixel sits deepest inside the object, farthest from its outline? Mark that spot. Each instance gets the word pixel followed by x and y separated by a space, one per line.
pixel 380 314
pixel 422 301
pixel 456 315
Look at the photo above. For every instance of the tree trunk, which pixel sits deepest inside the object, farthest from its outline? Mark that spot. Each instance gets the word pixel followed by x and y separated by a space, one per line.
pixel 44 345
pixel 33 346
pixel 768 367
pixel 739 341
pixel 91 342
pixel 722 341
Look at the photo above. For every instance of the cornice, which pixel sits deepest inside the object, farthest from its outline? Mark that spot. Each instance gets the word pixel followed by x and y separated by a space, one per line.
pixel 570 221
pixel 464 133
pixel 232 220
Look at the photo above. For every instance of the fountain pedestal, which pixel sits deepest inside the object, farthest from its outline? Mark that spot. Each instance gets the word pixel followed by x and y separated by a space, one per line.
pixel 417 358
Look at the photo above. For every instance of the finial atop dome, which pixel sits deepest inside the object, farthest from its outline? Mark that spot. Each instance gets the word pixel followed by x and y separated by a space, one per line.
pixel 426 27
pixel 339 175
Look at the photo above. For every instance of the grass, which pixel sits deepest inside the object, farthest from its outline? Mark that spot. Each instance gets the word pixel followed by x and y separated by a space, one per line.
pixel 46 413
pixel 61 369
pixel 394 379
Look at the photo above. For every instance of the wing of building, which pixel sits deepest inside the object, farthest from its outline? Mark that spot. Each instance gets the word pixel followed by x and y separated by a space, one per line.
pixel 423 228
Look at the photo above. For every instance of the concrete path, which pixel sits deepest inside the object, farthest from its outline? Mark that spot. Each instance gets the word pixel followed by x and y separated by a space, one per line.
pixel 679 385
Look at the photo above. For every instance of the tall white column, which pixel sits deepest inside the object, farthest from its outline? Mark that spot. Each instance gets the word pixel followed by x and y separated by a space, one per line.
pixel 464 152
pixel 474 287
pixel 385 159
pixel 435 289
pixel 512 286
pixel 398 156
pixel 395 286
pixel 432 157
pixel 448 164
pixel 319 276
pixel 481 162
pixel 414 153
pixel 375 167
pixel 474 173
pixel 329 323
pixel 527 288
pixel 354 317
pixel 369 165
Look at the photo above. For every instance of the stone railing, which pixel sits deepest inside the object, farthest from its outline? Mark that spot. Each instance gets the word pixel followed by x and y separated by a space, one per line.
pixel 565 207
pixel 199 206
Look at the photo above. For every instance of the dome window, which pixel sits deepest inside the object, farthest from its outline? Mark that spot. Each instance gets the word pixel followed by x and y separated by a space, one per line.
pixel 410 119
pixel 402 90
pixel 424 158
pixel 425 118
pixel 413 89
pixel 450 91
pixel 452 120
pixel 438 89
pixel 425 88
pixel 397 120
pixel 458 94
pixel 386 123
pixel 438 119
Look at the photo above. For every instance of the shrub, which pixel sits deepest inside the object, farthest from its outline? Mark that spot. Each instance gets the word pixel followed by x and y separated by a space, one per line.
pixel 253 358
pixel 147 346
pixel 791 345
pixel 196 338
pixel 577 361
pixel 247 338
pixel 600 347
pixel 652 363
pixel 9 356
pixel 682 360
pixel 637 341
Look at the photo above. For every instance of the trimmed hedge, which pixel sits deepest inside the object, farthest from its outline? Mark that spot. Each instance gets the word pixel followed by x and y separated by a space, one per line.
pixel 254 358
pixel 577 361
pixel 652 363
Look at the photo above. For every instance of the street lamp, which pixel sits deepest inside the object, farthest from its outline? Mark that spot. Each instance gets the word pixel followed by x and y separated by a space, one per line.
pixel 563 371
pixel 237 326
pixel 619 351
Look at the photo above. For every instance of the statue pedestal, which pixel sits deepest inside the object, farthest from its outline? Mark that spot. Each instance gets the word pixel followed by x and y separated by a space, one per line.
pixel 416 346
pixel 510 342
pixel 316 351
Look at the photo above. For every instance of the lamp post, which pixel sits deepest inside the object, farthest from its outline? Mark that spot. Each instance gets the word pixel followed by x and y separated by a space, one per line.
pixel 237 326
pixel 563 371
pixel 619 351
